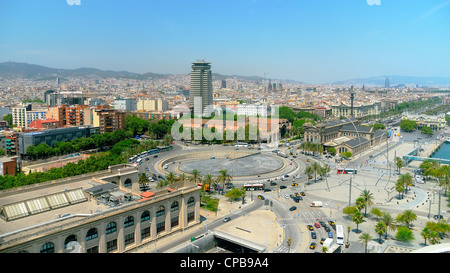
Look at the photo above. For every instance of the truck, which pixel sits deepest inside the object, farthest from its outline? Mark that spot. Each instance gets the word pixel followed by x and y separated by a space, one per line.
pixel 316 204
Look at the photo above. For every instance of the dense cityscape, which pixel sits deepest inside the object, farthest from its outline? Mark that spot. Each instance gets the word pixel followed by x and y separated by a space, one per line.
pixel 105 161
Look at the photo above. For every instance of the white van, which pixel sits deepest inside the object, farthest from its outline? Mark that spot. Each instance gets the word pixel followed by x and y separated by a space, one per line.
pixel 316 204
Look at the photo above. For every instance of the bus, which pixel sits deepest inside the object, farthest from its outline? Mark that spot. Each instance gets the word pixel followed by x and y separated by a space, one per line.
pixel 152 151
pixel 283 155
pixel 339 235
pixel 164 149
pixel 132 159
pixel 346 171
pixel 241 144
pixel 254 186
pixel 139 161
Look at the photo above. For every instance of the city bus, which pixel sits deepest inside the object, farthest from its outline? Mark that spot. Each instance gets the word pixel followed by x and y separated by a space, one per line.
pixel 346 171
pixel 241 144
pixel 164 149
pixel 283 155
pixel 254 186
pixel 152 151
pixel 339 235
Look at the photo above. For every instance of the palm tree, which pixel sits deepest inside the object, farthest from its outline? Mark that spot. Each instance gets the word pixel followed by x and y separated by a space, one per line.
pixel 171 178
pixel 181 177
pixel 309 171
pixel 365 238
pixel 223 178
pixel 316 168
pixel 398 163
pixel 208 180
pixel 407 217
pixel 380 229
pixel 143 179
pixel 195 177
pixel 368 199
pixel 388 221
pixel 358 219
pixel 426 234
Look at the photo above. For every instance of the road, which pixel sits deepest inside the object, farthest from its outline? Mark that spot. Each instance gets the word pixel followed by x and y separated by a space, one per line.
pixel 293 222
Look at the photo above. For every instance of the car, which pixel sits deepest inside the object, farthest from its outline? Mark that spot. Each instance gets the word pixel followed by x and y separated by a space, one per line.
pixel 226 219
pixel 317 225
pixel 146 169
pixel 155 156
pixel 296 194
pixel 302 193
pixel 327 229
pixel 331 223
pixel 286 175
pixel 313 235
pixel 267 190
pixel 292 208
pixel 261 197
pixel 286 196
pixel 273 183
pixel 312 245
pixel 322 240
pixel 322 223
pixel 282 187
pixel 307 160
pixel 283 179
pixel 330 234
pixel 147 159
pixel 310 227
pixel 294 184
pixel 298 176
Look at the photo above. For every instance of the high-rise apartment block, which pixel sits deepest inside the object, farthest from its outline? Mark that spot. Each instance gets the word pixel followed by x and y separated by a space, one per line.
pixel 108 120
pixel 151 105
pixel 201 88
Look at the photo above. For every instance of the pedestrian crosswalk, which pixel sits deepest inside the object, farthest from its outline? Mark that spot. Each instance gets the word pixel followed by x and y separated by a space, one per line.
pixel 283 249
pixel 304 217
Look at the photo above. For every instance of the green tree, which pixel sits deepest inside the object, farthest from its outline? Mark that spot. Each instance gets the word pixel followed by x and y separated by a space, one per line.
pixel 234 194
pixel 380 229
pixel 357 218
pixel 309 171
pixel 398 163
pixel 365 238
pixel 407 217
pixel 8 118
pixel 368 199
pixel 427 131
pixel 408 125
pixel 389 222
pixel 143 180
pixel 223 178
pixel 404 234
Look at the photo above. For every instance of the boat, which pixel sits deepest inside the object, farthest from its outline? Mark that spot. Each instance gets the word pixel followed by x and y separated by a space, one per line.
pixel 447 140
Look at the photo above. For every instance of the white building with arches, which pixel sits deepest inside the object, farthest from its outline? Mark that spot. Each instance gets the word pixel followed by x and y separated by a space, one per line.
pixel 103 212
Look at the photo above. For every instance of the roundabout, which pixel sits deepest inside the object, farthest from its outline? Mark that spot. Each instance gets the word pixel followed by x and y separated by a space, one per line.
pixel 238 163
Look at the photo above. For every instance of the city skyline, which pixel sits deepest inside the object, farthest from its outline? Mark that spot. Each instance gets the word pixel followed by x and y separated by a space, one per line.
pixel 313 42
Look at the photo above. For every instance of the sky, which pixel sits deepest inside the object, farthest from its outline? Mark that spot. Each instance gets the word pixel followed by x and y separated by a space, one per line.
pixel 314 41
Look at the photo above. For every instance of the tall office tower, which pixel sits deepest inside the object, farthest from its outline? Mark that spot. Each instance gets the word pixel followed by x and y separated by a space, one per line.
pixel 224 84
pixel 270 85
pixel 201 87
pixel 386 83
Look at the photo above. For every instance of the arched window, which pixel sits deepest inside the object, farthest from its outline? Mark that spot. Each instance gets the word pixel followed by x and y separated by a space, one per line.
pixel 174 206
pixel 48 247
pixel 161 211
pixel 127 183
pixel 145 216
pixel 111 227
pixel 70 241
pixel 191 202
pixel 91 234
pixel 129 221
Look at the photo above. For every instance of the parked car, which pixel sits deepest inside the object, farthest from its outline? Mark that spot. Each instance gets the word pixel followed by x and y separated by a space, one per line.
pixel 226 219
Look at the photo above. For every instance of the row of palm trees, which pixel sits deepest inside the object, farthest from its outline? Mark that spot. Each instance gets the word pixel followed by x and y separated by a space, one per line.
pixel 402 222
pixel 195 177
pixel 316 169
